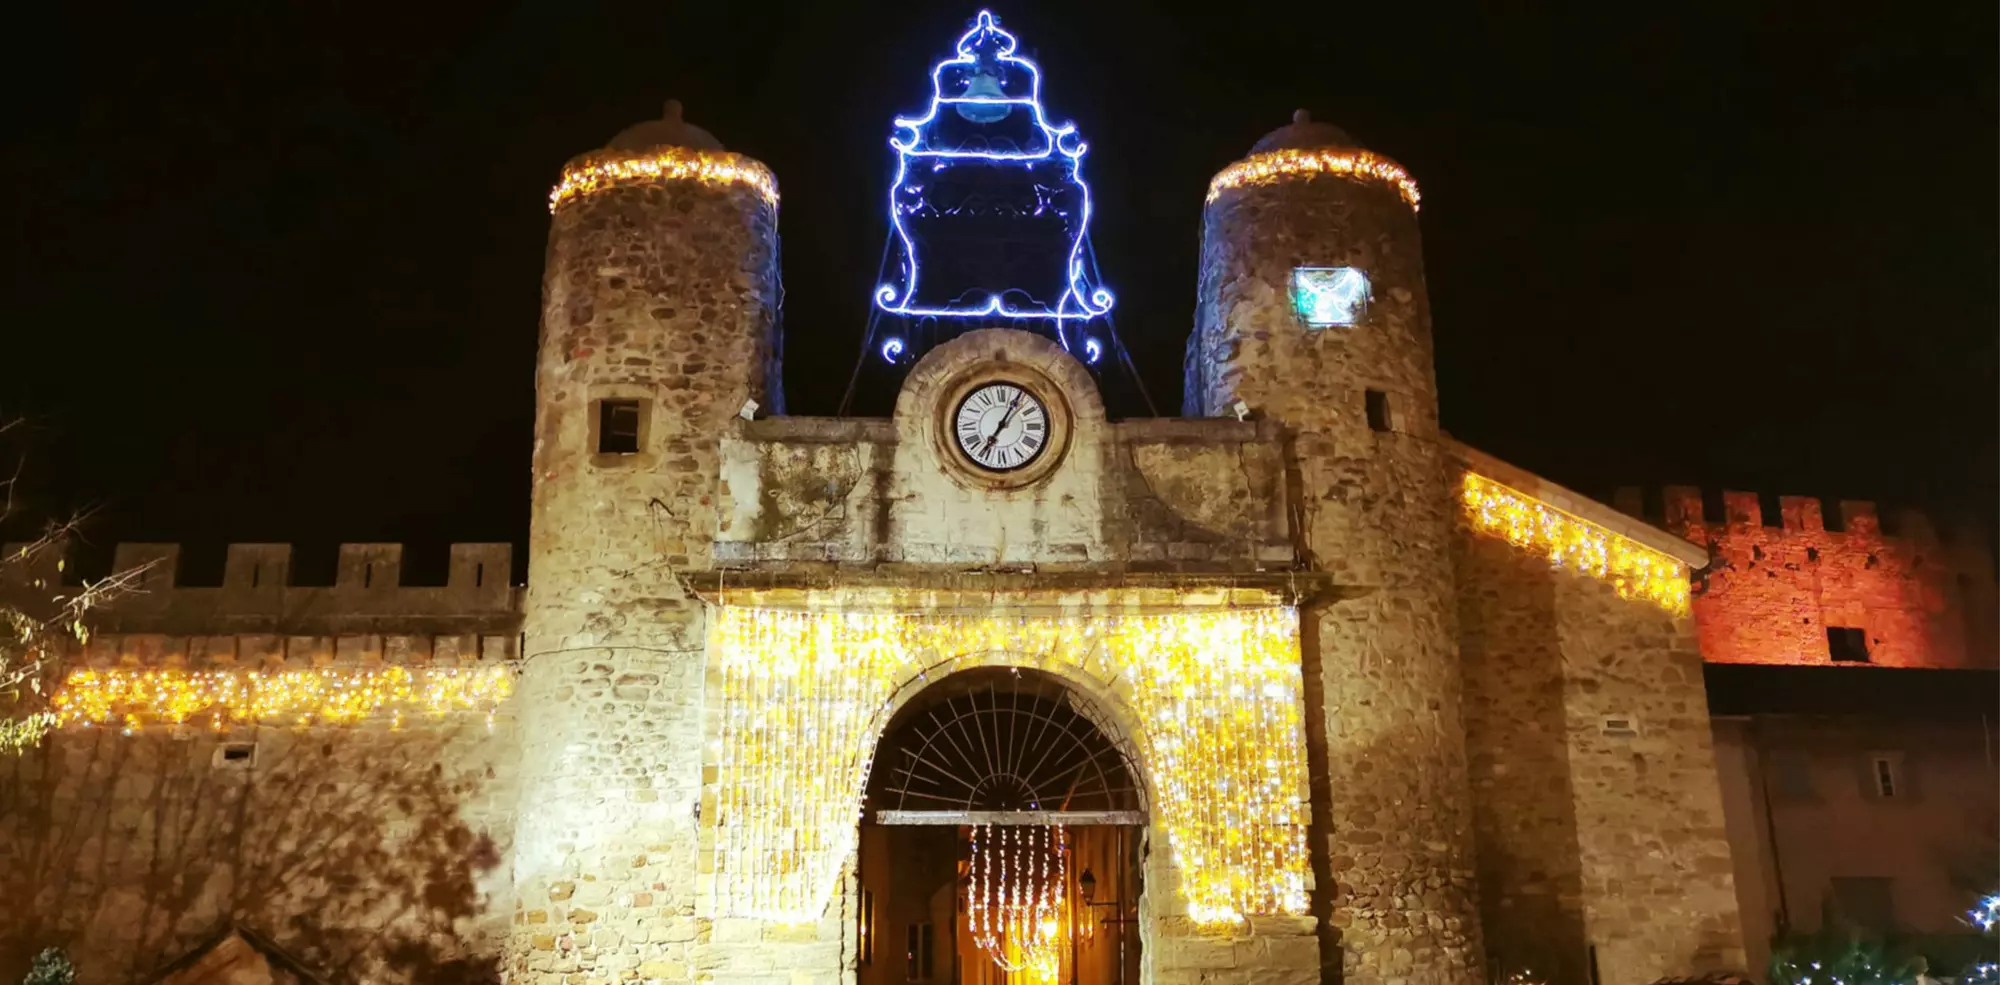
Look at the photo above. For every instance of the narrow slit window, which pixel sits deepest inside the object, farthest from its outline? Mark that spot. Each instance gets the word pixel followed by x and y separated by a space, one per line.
pixel 618 427
pixel 1886 781
pixel 1376 403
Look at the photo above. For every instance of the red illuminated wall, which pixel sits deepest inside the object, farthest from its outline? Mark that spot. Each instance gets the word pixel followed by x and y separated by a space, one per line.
pixel 1772 590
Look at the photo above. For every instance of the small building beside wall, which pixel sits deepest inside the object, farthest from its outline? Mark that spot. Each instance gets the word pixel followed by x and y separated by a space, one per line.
pixel 1860 798
pixel 1853 673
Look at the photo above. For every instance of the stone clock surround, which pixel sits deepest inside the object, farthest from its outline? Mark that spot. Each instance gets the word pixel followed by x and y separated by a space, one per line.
pixel 1036 387
pixel 1143 495
pixel 953 372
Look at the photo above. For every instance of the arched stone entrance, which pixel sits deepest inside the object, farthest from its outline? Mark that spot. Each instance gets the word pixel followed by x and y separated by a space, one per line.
pixel 984 769
pixel 1202 701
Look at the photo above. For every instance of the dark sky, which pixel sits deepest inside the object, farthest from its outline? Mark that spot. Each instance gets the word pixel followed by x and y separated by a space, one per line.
pixel 272 270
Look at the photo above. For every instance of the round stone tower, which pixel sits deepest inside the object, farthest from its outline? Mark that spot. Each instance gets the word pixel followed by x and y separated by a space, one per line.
pixel 1312 312
pixel 658 324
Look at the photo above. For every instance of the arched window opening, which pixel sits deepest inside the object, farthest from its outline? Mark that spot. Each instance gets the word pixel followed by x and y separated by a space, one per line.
pixel 1000 840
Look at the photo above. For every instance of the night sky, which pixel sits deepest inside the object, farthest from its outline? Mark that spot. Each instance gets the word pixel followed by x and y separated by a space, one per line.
pixel 273 272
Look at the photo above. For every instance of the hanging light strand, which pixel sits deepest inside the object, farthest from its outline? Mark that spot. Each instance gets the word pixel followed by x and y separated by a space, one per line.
pixel 135 698
pixel 1632 569
pixel 1016 899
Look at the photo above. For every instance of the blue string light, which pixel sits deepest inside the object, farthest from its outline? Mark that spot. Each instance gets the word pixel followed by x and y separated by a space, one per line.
pixel 983 92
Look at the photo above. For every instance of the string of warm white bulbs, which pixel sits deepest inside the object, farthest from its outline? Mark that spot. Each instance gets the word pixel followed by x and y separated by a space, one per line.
pixel 1213 697
pixel 592 173
pixel 1016 897
pixel 135 698
pixel 1634 570
pixel 1284 165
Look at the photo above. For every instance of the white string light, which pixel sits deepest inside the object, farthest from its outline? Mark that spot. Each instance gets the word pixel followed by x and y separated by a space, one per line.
pixel 1214 696
pixel 1015 897
pixel 135 698
pixel 1633 570
pixel 601 170
pixel 1275 166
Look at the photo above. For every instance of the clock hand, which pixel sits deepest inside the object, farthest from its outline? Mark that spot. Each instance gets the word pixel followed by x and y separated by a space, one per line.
pixel 1008 415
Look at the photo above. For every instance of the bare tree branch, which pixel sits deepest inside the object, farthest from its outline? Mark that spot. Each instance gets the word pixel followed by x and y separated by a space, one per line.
pixel 40 617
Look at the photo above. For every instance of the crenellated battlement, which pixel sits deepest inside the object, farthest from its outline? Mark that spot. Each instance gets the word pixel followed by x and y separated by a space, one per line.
pixel 257 594
pixel 1801 580
pixel 1685 508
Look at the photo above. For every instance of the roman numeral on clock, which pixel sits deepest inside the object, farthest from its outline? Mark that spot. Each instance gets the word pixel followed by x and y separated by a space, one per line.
pixel 1001 426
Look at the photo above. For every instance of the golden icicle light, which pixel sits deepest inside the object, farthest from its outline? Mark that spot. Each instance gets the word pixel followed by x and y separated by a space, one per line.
pixel 134 698
pixel 1633 569
pixel 598 171
pixel 1284 165
pixel 1214 694
pixel 1015 899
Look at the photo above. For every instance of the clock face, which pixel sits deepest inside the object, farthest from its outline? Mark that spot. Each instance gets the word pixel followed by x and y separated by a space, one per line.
pixel 1001 426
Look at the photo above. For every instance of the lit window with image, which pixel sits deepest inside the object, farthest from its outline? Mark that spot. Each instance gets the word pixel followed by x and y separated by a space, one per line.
pixel 1325 297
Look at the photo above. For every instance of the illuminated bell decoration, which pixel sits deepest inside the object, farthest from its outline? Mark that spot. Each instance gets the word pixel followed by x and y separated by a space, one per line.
pixel 983 166
pixel 1214 696
pixel 1327 297
pixel 990 105
pixel 1633 570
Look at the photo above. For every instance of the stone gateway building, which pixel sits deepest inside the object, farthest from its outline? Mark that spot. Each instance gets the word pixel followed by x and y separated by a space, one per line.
pixel 1292 688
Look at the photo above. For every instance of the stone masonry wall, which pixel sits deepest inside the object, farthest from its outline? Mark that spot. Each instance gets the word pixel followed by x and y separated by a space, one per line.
pixel 1659 892
pixel 1594 845
pixel 663 291
pixel 1517 736
pixel 1150 495
pixel 1779 581
pixel 373 854
pixel 813 498
pixel 1396 880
